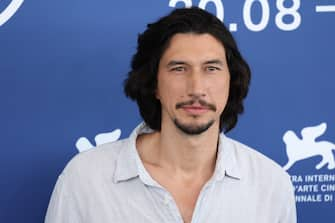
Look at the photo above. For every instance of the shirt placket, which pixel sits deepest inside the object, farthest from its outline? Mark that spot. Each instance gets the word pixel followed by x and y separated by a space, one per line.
pixel 199 208
pixel 174 215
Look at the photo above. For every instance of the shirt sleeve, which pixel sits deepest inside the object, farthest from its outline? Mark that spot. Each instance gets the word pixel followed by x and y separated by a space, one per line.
pixel 62 206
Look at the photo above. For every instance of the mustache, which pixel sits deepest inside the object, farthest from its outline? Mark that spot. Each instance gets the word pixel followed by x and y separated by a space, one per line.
pixel 200 101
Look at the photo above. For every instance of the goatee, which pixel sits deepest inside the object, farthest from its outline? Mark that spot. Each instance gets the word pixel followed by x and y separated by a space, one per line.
pixel 190 129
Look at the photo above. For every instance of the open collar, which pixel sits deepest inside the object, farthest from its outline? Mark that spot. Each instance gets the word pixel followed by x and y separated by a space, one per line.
pixel 129 164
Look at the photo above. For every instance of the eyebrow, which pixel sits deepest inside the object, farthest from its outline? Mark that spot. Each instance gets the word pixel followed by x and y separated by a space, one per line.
pixel 215 61
pixel 175 62
pixel 179 62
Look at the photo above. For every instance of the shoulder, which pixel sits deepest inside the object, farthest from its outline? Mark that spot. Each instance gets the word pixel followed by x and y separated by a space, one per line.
pixel 257 166
pixel 269 183
pixel 96 160
pixel 263 180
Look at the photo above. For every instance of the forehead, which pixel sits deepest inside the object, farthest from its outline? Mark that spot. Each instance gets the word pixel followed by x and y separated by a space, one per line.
pixel 193 47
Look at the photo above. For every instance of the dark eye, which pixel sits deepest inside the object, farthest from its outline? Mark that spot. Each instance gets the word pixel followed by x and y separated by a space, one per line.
pixel 178 69
pixel 212 68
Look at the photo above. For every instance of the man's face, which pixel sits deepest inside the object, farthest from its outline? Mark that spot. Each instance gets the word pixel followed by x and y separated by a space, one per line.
pixel 193 82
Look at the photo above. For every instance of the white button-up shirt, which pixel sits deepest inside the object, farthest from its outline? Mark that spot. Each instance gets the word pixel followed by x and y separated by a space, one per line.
pixel 110 184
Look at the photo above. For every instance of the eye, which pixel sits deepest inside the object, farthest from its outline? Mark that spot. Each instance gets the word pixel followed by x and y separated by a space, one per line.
pixel 212 68
pixel 178 69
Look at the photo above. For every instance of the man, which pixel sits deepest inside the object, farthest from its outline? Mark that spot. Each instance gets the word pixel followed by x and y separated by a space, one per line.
pixel 189 81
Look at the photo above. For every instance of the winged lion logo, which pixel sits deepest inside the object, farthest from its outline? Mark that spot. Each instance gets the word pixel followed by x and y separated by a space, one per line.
pixel 302 148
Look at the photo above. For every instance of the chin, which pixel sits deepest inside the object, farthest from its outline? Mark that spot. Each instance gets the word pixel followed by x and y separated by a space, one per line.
pixel 193 128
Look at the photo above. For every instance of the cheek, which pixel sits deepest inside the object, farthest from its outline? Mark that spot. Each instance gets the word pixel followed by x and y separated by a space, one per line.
pixel 166 94
pixel 169 90
pixel 220 93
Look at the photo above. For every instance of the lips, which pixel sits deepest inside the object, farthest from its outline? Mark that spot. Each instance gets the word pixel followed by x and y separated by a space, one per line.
pixel 195 109
pixel 196 106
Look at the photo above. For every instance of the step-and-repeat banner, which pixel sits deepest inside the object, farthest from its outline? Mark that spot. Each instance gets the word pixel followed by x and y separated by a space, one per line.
pixel 62 66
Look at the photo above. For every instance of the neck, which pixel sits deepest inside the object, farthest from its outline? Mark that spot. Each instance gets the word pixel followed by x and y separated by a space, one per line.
pixel 182 154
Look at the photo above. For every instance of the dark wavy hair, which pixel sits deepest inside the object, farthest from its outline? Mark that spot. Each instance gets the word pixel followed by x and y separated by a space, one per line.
pixel 141 82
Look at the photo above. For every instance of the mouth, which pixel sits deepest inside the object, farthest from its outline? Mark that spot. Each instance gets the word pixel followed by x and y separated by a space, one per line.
pixel 196 107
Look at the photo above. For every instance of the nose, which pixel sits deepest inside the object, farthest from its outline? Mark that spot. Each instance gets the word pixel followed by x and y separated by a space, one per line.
pixel 196 85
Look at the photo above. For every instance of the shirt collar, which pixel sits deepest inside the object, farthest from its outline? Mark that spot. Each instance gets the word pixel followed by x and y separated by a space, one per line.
pixel 226 163
pixel 129 164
